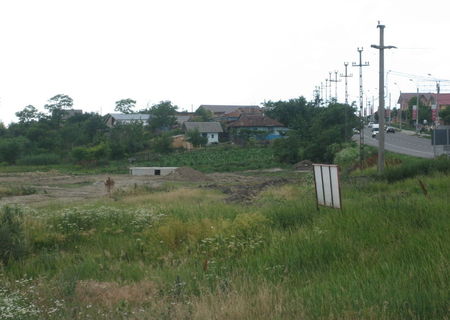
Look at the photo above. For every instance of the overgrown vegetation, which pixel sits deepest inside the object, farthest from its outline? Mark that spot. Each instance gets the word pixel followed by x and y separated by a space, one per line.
pixel 183 253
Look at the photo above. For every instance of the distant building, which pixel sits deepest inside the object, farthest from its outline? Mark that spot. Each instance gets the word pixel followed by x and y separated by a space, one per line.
pixel 66 114
pixel 219 110
pixel 210 130
pixel 443 99
pixel 182 117
pixel 113 119
pixel 259 122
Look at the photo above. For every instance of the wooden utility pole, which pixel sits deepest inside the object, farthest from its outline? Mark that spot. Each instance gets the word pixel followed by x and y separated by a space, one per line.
pixel 381 48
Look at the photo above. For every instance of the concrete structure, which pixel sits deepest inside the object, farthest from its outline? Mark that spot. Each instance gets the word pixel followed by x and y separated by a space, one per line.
pixel 151 171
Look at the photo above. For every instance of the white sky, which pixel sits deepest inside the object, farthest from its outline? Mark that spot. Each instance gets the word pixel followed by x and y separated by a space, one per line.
pixel 207 51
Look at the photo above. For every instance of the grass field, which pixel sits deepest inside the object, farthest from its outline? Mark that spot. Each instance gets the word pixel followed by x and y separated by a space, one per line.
pixel 184 253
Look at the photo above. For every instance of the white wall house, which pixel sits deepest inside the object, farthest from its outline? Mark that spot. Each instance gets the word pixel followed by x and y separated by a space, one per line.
pixel 209 130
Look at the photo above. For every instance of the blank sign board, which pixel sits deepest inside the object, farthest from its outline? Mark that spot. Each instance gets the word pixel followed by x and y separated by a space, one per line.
pixel 326 178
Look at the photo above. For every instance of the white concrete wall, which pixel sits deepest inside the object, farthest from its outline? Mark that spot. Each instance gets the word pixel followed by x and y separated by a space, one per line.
pixel 151 171
pixel 213 137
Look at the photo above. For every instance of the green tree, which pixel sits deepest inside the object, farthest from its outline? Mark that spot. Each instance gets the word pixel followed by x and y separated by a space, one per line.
pixel 12 148
pixel 28 114
pixel 445 115
pixel 56 106
pixel 59 102
pixel 203 115
pixel 125 105
pixel 424 111
pixel 162 116
pixel 162 143
pixel 196 138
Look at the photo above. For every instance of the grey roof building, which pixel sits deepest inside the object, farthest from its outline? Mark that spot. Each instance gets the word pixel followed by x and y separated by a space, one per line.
pixel 113 119
pixel 222 109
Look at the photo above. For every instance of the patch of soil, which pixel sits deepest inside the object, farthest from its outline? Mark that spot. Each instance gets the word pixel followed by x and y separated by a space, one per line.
pixel 246 192
pixel 188 174
pixel 109 294
pixel 66 188
pixel 304 165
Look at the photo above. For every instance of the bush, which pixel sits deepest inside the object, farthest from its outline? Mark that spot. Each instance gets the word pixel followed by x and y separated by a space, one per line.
pixel 412 169
pixel 12 239
pixel 347 157
pixel 39 159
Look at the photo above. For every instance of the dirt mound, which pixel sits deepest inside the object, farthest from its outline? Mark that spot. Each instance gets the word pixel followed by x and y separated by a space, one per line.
pixel 303 165
pixel 188 174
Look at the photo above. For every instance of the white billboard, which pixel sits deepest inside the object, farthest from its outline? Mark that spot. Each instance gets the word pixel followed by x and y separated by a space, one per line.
pixel 326 179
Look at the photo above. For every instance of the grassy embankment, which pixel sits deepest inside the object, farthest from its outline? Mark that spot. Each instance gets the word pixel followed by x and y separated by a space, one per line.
pixel 182 253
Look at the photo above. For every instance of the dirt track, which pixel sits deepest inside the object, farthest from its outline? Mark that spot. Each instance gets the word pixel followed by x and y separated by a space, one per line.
pixel 53 186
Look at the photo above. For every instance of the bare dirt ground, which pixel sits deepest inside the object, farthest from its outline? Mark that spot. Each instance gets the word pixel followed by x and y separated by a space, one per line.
pixel 53 186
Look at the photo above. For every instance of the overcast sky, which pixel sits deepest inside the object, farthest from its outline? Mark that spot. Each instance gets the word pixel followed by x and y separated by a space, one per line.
pixel 196 52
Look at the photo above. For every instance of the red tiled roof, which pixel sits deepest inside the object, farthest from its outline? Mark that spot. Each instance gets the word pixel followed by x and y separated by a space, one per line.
pixel 255 121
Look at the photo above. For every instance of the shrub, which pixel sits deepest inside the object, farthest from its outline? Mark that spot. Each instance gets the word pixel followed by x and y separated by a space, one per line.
pixel 412 169
pixel 40 159
pixel 12 239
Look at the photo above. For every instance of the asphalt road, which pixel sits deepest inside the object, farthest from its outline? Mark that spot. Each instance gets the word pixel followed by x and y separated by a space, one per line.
pixel 402 142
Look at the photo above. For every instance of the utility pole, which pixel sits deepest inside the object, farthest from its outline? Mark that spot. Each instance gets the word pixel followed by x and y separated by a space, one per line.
pixel 335 85
pixel 329 82
pixel 361 106
pixel 345 75
pixel 438 88
pixel 321 93
pixel 381 48
pixel 326 91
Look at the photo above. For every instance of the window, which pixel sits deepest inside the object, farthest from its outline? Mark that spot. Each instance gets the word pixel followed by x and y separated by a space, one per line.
pixel 157 172
pixel 212 135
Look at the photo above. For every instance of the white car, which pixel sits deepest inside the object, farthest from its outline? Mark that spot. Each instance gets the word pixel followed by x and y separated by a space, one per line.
pixel 375 132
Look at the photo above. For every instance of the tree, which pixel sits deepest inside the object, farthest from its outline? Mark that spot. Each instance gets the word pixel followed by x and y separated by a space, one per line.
pixel 319 132
pixel 162 116
pixel 296 114
pixel 57 105
pixel 125 105
pixel 162 143
pixel 59 102
pixel 28 114
pixel 445 115
pixel 196 138
pixel 424 111
pixel 203 115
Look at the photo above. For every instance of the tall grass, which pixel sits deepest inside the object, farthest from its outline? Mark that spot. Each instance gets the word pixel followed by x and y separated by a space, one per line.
pixel 183 253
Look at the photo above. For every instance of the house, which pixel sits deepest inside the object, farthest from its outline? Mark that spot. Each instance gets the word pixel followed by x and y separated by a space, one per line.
pixel 182 117
pixel 219 110
pixel 270 128
pixel 237 113
pixel 429 99
pixel 66 114
pixel 209 130
pixel 113 119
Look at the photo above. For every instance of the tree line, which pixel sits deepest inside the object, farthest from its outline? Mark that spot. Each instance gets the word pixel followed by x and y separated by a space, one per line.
pixel 55 136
